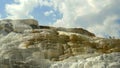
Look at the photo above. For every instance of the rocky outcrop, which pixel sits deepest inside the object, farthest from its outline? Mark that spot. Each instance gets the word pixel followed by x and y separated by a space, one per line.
pixel 24 44
pixel 19 25
pixel 73 30
pixel 88 61
pixel 5 27
pixel 77 30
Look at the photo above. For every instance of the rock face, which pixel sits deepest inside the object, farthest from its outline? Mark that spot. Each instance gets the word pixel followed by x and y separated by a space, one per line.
pixel 5 27
pixel 25 44
pixel 77 30
pixel 18 25
pixel 73 30
pixel 102 61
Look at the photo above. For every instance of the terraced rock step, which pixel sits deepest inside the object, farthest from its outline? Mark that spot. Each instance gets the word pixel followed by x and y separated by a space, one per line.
pixel 25 44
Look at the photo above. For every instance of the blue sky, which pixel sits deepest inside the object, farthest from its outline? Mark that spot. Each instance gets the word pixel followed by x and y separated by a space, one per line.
pixel 38 12
pixel 101 17
pixel 2 7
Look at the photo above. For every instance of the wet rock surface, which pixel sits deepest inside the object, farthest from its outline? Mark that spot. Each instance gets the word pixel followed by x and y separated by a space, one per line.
pixel 25 44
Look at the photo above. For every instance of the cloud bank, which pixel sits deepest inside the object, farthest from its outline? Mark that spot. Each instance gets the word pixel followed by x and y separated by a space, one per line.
pixel 21 8
pixel 101 17
pixel 97 16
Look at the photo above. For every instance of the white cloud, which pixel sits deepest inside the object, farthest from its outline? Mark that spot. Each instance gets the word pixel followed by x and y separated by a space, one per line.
pixel 22 8
pixel 45 3
pixel 89 14
pixel 72 10
pixel 109 27
pixel 93 15
pixel 48 13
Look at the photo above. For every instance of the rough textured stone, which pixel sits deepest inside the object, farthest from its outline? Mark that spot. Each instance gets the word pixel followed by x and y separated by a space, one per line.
pixel 24 45
pixel 6 26
pixel 19 25
pixel 107 61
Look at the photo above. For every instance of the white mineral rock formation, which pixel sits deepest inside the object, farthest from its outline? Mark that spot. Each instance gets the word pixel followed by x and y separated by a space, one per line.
pixel 24 45
pixel 102 61
pixel 18 25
